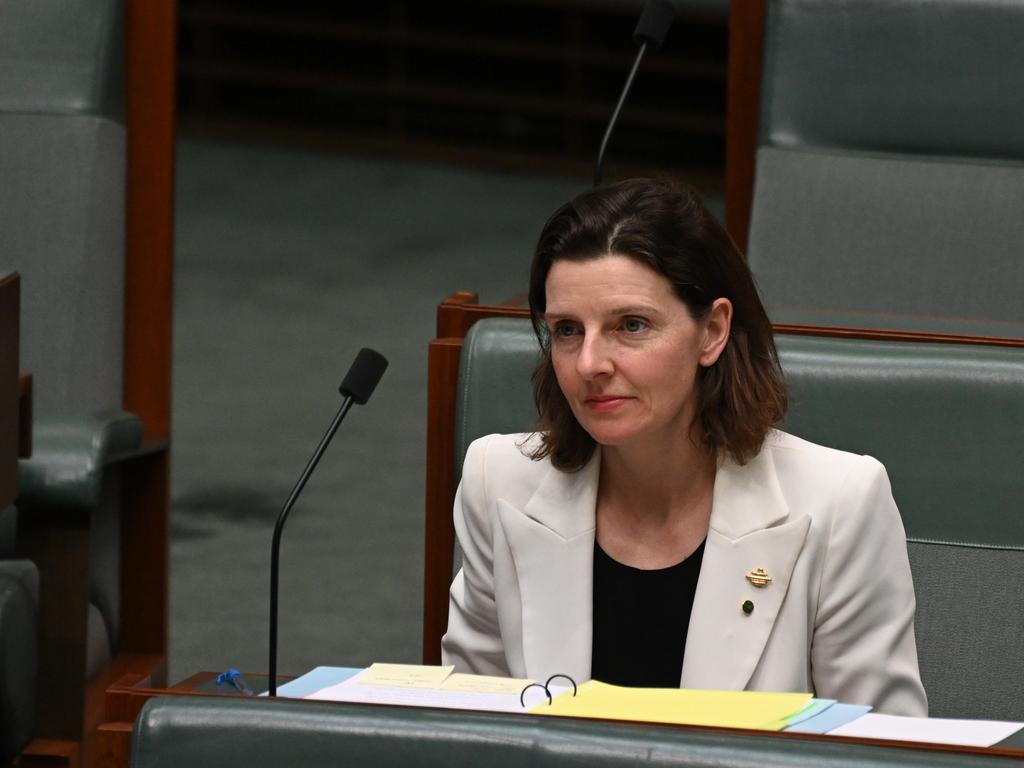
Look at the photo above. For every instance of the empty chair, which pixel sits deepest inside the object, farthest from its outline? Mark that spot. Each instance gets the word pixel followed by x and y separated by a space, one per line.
pixel 889 179
pixel 62 226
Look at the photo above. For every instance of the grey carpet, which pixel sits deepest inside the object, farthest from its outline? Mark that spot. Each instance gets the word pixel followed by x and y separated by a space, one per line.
pixel 287 262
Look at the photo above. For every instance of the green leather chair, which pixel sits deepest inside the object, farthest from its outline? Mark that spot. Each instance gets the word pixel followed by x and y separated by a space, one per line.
pixel 227 732
pixel 947 420
pixel 62 222
pixel 890 165
pixel 19 598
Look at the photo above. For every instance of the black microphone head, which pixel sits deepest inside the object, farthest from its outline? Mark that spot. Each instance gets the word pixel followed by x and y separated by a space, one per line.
pixel 655 20
pixel 362 377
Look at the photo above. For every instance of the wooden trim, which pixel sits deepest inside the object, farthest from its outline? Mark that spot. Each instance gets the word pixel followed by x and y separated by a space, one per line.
pixel 58 544
pixel 449 313
pixel 114 745
pixel 145 532
pixel 439 534
pixel 742 113
pixel 25 416
pixel 880 334
pixel 10 315
pixel 457 313
pixel 50 753
pixel 149 236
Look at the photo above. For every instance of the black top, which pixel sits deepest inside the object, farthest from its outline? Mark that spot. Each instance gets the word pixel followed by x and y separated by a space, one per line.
pixel 640 620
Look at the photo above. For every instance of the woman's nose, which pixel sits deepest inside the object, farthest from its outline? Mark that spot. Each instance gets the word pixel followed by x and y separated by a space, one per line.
pixel 594 357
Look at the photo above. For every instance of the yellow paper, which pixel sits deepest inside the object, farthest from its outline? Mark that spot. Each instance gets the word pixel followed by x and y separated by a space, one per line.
pixel 405 675
pixel 720 709
pixel 483 684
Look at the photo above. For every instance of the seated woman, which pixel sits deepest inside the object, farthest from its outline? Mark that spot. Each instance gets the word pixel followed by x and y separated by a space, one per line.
pixel 656 530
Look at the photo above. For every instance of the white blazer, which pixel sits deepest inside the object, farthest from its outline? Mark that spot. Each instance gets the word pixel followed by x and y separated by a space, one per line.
pixel 837 618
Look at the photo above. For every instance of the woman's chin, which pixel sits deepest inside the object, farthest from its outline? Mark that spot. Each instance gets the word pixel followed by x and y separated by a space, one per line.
pixel 609 435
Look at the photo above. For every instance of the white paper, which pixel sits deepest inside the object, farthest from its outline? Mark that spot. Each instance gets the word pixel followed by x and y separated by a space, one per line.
pixel 968 733
pixel 351 690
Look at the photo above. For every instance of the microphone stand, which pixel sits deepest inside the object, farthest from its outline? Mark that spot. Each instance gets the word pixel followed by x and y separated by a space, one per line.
pixel 599 171
pixel 275 547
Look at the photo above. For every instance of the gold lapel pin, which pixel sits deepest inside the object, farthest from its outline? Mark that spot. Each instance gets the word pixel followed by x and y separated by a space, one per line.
pixel 759 578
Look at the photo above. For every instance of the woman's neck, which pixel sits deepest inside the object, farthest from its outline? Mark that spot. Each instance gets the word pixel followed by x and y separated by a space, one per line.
pixel 654 501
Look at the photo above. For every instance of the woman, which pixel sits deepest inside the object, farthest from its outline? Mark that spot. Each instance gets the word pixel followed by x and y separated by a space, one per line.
pixel 656 529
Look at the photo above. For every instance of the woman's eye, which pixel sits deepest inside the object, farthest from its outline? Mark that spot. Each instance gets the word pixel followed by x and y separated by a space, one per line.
pixel 633 325
pixel 564 331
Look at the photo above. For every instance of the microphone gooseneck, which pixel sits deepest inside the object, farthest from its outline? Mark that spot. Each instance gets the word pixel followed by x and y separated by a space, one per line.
pixel 357 386
pixel 653 25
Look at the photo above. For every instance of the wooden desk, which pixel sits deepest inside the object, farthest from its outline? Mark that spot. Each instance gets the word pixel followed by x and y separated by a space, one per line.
pixel 126 697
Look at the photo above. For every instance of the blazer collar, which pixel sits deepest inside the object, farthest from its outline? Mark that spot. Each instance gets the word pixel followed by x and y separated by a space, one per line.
pixel 751 527
pixel 552 542
pixel 747 498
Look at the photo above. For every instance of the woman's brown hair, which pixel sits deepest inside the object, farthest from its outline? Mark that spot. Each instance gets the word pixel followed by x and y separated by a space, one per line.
pixel 665 226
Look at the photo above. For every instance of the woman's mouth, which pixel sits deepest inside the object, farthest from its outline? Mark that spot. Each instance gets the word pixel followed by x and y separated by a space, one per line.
pixel 605 403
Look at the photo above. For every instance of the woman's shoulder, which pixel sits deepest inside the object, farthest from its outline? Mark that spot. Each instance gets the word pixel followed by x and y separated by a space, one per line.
pixel 513 447
pixel 820 467
pixel 499 466
pixel 506 457
pixel 787 447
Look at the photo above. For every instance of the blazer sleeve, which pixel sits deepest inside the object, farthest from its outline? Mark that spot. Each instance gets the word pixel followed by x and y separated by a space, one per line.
pixel 473 640
pixel 863 649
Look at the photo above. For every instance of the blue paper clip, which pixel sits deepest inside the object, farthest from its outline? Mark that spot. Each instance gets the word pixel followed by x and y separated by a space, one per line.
pixel 234 677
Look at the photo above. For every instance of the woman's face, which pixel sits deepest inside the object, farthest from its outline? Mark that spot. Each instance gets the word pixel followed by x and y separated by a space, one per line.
pixel 625 349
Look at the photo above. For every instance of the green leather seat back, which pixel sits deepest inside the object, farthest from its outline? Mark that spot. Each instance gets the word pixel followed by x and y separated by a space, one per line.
pixel 62 57
pixel 62 195
pixel 890 168
pixel 62 227
pixel 947 420
pixel 232 732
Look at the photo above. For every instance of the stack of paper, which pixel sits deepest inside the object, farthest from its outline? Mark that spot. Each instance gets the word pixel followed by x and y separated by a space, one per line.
pixel 414 685
pixel 423 686
pixel 933 730
pixel 419 686
pixel 723 709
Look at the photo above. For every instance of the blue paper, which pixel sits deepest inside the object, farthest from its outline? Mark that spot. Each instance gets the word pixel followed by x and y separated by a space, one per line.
pixel 313 681
pixel 813 709
pixel 833 717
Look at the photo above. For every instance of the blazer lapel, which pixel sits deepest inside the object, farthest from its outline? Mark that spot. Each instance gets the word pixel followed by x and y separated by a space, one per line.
pixel 724 644
pixel 552 544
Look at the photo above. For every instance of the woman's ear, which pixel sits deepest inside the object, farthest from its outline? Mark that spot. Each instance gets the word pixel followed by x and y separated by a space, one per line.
pixel 717 326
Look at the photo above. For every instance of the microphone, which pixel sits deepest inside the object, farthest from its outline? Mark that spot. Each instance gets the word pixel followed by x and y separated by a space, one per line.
pixel 651 28
pixel 357 386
